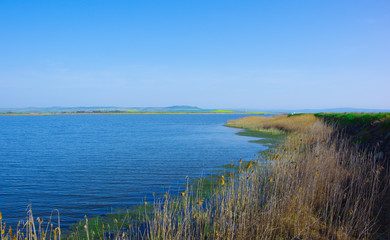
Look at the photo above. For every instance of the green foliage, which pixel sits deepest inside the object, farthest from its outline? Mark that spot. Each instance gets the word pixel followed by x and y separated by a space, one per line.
pixel 266 138
pixel 222 111
pixel 353 118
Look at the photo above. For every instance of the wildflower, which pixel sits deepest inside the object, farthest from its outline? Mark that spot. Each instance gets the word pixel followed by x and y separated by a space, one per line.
pixel 116 220
pixel 232 162
pixel 200 201
pixel 271 179
pixel 240 161
pixel 146 203
pixel 223 180
pixel 183 193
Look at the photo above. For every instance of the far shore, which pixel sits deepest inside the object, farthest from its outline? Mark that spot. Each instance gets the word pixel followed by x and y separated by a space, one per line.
pixel 123 113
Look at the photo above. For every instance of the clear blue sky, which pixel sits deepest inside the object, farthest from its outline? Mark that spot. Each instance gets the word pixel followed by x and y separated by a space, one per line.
pixel 211 54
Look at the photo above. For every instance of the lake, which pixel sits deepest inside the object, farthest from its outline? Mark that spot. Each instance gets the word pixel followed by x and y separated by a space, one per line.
pixel 92 164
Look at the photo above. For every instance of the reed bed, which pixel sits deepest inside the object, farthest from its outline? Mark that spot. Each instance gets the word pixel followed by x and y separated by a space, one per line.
pixel 315 185
pixel 282 122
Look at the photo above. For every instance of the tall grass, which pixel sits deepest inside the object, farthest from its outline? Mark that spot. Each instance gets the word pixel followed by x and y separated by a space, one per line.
pixel 315 185
pixel 281 122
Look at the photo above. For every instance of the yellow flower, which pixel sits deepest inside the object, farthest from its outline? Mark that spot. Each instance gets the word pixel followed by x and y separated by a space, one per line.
pixel 183 193
pixel 271 179
pixel 240 161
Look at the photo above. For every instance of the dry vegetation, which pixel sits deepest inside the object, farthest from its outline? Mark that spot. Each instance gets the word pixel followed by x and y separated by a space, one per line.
pixel 279 122
pixel 315 185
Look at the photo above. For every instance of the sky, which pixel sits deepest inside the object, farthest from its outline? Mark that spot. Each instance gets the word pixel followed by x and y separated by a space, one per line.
pixel 211 54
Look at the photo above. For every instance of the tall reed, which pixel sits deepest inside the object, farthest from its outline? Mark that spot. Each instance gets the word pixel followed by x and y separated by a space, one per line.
pixel 314 186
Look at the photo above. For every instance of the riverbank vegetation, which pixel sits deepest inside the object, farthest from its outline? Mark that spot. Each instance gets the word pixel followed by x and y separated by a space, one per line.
pixel 316 184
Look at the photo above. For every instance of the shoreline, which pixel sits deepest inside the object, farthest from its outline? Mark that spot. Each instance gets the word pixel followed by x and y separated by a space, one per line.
pixel 204 186
pixel 312 167
pixel 129 113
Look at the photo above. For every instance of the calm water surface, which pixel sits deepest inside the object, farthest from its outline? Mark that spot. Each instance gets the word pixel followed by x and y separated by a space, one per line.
pixel 90 164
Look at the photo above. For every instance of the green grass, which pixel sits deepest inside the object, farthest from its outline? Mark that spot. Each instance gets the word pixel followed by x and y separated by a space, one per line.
pixel 353 118
pixel 266 138
pixel 362 127
pixel 222 111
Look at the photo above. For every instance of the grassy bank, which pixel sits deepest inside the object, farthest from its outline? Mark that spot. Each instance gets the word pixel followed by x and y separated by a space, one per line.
pixel 314 185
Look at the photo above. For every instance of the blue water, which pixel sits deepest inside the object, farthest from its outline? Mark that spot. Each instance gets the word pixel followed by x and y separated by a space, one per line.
pixel 91 164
